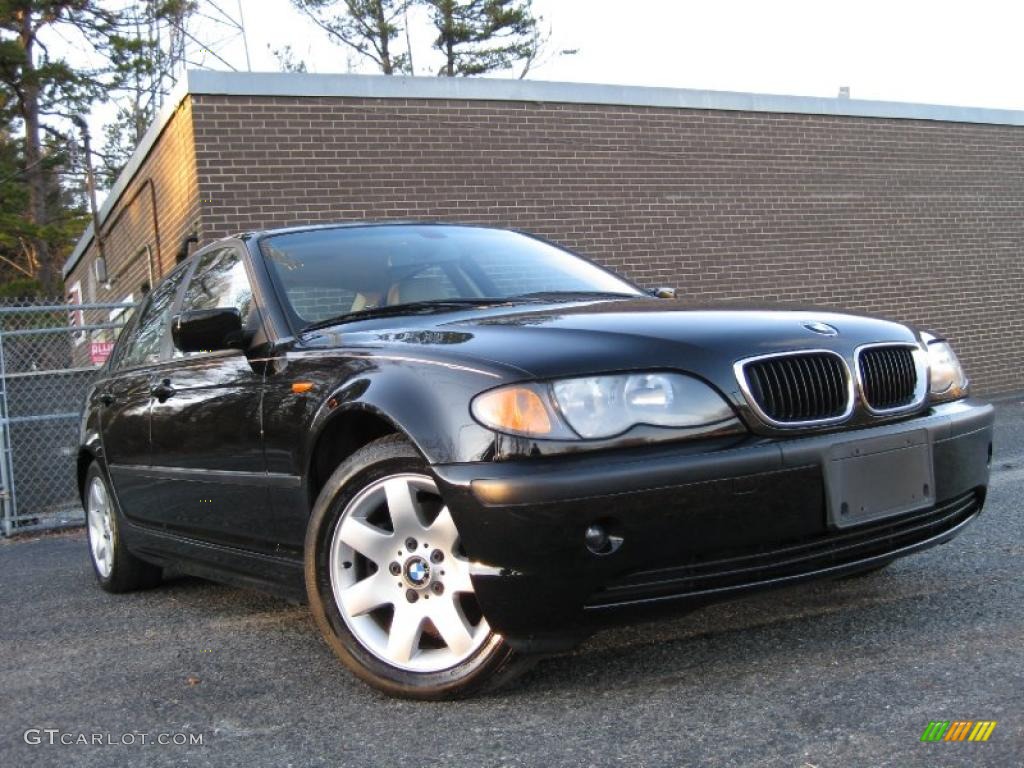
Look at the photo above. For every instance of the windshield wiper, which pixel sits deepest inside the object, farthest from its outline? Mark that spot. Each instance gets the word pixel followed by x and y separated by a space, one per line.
pixel 409 308
pixel 573 295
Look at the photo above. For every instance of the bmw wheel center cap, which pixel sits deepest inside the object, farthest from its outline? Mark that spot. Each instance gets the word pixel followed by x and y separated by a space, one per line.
pixel 417 571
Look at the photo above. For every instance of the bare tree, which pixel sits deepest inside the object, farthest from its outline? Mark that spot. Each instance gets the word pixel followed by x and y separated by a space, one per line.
pixel 154 42
pixel 287 60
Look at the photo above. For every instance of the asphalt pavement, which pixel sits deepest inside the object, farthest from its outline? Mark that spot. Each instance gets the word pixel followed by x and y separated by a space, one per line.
pixel 841 673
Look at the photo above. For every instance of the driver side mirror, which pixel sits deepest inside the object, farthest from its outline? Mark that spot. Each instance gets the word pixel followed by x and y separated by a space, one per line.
pixel 208 330
pixel 663 292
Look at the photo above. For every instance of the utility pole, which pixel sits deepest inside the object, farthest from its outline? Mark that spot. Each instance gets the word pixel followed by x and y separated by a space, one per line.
pixel 90 185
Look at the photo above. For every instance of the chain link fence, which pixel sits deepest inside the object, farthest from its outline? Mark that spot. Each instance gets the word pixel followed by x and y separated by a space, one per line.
pixel 50 353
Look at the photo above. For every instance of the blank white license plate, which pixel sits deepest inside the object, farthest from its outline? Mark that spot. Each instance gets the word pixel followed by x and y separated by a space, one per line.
pixel 868 480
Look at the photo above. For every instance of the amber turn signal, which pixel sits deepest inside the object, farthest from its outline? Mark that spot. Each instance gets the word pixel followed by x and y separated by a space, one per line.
pixel 513 409
pixel 301 387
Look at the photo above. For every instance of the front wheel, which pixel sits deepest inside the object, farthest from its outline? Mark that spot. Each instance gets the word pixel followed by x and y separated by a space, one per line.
pixel 389 584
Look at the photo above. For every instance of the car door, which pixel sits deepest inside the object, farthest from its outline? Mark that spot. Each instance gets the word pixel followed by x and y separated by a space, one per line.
pixel 125 399
pixel 206 445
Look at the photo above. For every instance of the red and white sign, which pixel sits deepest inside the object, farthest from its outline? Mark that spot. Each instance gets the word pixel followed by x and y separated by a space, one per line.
pixel 99 351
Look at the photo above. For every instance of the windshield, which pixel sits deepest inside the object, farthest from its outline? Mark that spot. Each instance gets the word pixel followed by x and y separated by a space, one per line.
pixel 327 273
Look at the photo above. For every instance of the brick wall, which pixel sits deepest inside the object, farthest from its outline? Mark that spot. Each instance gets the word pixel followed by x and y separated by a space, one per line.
pixel 918 220
pixel 132 236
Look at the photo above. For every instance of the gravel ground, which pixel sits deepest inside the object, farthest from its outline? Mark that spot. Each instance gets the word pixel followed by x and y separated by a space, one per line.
pixel 833 674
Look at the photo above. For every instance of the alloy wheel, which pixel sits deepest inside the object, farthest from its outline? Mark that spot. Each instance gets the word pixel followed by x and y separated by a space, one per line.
pixel 101 530
pixel 400 579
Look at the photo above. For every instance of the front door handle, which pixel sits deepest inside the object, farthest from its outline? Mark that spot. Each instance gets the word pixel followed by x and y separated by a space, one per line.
pixel 163 390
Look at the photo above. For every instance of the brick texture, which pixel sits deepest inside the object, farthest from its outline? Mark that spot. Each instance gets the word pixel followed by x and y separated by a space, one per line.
pixel 916 220
pixel 136 241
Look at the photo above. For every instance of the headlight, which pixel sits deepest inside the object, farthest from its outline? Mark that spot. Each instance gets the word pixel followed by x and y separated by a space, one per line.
pixel 600 406
pixel 947 380
pixel 523 409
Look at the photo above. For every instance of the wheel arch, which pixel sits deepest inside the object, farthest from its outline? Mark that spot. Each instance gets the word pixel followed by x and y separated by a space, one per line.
pixel 340 435
pixel 419 403
pixel 89 451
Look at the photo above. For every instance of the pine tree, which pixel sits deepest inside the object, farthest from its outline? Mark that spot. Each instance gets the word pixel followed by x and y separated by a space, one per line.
pixel 480 36
pixel 38 90
pixel 368 27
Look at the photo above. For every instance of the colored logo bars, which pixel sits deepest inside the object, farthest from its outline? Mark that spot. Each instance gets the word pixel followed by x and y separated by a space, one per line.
pixel 958 730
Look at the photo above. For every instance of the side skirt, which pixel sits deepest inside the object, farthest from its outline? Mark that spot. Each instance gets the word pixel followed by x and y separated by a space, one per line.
pixel 281 576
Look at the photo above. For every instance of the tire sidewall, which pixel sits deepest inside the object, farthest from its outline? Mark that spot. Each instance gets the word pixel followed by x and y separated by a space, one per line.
pixel 378 460
pixel 93 473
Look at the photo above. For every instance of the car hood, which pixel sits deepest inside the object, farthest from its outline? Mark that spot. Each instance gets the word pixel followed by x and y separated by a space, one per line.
pixel 553 340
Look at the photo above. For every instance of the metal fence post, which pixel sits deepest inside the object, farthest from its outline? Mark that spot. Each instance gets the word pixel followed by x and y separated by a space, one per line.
pixel 7 497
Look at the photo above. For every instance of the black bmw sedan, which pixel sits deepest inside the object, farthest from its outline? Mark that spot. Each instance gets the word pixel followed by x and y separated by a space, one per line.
pixel 466 447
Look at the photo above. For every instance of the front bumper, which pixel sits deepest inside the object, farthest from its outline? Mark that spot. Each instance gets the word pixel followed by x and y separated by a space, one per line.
pixel 696 527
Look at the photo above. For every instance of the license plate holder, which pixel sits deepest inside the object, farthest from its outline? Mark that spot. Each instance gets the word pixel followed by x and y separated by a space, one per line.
pixel 879 477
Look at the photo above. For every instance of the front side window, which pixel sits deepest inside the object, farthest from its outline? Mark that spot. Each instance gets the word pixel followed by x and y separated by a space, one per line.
pixel 219 281
pixel 144 345
pixel 328 272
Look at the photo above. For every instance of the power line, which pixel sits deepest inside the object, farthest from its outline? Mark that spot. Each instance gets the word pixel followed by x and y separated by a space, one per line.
pixel 202 45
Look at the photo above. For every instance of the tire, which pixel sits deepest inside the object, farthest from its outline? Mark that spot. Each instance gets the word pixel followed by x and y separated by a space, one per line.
pixel 404 620
pixel 116 569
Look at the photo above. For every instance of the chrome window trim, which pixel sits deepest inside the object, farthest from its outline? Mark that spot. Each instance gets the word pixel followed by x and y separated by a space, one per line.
pixel 739 370
pixel 920 365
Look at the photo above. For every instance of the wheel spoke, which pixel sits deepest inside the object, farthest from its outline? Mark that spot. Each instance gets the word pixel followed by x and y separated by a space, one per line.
pixel 443 532
pixel 405 515
pixel 95 497
pixel 368 540
pixel 363 596
pixel 454 629
pixel 456 575
pixel 415 596
pixel 404 636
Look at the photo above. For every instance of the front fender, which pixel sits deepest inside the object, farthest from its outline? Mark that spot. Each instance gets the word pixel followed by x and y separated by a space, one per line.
pixel 425 398
pixel 430 407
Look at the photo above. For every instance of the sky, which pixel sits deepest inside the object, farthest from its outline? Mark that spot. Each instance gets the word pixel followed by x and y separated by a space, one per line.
pixel 936 52
pixel 963 53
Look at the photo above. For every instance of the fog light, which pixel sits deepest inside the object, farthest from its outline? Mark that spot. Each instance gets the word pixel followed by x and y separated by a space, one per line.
pixel 600 540
pixel 596 539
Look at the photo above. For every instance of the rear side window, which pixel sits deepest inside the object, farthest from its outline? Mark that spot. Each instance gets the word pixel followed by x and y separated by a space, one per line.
pixel 145 343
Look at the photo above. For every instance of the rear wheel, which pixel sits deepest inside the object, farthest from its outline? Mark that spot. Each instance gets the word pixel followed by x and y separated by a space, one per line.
pixel 116 569
pixel 389 583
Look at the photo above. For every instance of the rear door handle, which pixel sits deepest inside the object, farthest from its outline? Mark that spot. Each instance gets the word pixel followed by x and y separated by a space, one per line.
pixel 163 390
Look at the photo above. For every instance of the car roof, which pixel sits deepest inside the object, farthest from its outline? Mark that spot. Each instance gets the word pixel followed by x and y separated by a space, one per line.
pixel 259 233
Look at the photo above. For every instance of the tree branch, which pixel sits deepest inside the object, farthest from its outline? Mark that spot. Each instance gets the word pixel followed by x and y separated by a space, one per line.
pixel 15 264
